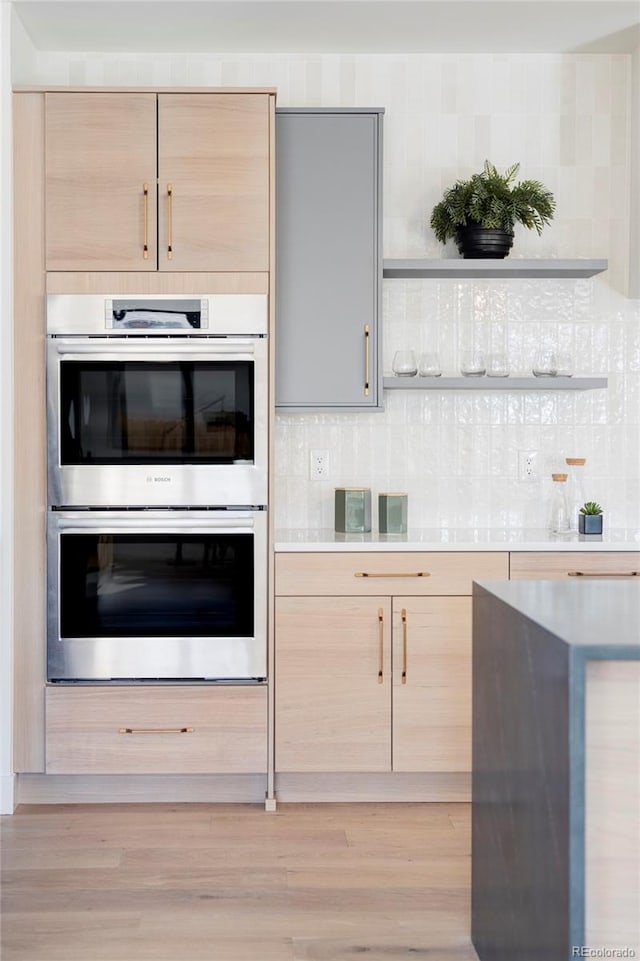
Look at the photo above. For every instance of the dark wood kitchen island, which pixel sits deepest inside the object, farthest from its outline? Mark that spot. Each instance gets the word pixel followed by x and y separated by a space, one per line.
pixel 556 770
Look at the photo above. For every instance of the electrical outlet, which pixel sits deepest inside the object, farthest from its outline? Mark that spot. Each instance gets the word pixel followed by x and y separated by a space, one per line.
pixel 527 465
pixel 318 464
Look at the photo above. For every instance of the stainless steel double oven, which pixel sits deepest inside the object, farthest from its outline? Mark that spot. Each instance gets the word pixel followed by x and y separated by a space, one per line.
pixel 157 482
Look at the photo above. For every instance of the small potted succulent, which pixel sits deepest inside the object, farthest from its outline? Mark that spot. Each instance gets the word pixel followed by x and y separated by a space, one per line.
pixel 480 213
pixel 590 518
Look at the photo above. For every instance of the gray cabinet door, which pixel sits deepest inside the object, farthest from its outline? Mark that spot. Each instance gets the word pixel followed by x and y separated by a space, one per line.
pixel 328 259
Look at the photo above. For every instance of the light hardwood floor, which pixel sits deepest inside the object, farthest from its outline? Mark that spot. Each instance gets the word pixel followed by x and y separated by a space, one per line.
pixel 189 882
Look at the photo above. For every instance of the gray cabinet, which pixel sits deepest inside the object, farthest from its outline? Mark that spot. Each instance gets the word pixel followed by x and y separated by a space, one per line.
pixel 328 258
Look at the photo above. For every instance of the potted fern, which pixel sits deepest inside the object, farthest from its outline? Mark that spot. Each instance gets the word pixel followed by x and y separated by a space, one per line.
pixel 481 213
pixel 590 518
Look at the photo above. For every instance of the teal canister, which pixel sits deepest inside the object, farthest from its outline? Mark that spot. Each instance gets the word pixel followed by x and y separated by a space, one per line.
pixel 353 510
pixel 392 513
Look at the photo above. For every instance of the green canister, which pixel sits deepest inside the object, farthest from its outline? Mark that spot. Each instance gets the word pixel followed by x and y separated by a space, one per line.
pixel 353 510
pixel 392 513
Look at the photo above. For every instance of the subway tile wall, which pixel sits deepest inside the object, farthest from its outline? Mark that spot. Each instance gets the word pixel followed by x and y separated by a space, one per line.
pixel 567 120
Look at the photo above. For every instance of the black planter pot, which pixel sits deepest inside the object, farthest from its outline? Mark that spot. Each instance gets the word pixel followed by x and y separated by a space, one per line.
pixel 590 523
pixel 476 242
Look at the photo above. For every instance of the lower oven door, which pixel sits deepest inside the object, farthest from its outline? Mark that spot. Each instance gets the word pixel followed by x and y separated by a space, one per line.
pixel 157 595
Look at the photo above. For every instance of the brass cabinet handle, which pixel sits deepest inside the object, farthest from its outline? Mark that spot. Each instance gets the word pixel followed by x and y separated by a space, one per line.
pixel 380 645
pixel 403 614
pixel 603 573
pixel 366 360
pixel 410 574
pixel 156 730
pixel 145 245
pixel 170 221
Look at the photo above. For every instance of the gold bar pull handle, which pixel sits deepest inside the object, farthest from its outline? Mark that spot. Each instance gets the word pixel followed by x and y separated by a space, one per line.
pixel 403 614
pixel 170 221
pixel 603 573
pixel 156 730
pixel 366 360
pixel 380 645
pixel 409 574
pixel 145 245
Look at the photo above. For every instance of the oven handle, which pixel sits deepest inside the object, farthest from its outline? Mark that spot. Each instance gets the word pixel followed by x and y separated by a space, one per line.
pixel 107 525
pixel 231 349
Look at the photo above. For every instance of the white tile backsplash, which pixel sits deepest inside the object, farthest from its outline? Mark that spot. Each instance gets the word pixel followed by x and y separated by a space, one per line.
pixel 566 119
pixel 456 453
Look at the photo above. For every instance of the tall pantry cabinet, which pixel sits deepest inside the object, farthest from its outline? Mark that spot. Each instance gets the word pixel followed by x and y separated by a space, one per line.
pixel 131 191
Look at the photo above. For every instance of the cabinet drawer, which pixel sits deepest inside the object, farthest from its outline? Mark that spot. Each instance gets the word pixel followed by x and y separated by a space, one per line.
pixel 549 565
pixel 419 573
pixel 156 730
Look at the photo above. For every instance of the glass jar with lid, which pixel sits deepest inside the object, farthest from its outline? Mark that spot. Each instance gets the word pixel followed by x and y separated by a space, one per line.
pixel 559 508
pixel 575 488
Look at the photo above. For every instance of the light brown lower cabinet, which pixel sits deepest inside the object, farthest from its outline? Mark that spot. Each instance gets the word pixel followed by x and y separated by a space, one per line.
pixel 552 565
pixel 431 697
pixel 333 687
pixel 140 729
pixel 373 682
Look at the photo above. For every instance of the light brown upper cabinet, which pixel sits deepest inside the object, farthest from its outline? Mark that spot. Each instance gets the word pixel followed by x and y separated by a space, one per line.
pixel 146 181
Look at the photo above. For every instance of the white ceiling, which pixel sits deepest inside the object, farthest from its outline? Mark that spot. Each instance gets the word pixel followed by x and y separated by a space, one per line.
pixel 333 26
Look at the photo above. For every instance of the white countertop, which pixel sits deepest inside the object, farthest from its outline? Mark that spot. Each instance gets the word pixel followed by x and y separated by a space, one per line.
pixel 463 539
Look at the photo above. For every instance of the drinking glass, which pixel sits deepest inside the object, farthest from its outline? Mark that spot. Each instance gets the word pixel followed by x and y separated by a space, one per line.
pixel 545 363
pixel 473 363
pixel 404 363
pixel 429 365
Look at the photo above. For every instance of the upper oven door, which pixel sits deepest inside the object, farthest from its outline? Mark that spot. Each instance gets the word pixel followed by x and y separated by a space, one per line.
pixel 136 422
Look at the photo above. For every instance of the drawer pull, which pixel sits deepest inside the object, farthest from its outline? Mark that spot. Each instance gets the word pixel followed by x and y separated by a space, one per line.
pixel 380 644
pixel 404 645
pixel 156 730
pixel 603 573
pixel 413 574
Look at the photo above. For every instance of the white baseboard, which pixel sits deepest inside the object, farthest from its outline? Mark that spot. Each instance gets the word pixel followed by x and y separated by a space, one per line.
pixel 7 793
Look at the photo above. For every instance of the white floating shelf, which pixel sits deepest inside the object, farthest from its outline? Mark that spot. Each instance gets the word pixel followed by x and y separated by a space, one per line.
pixel 509 267
pixel 494 383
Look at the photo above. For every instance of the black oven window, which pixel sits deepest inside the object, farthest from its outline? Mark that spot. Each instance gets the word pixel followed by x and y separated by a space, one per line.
pixel 163 585
pixel 122 412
